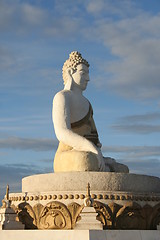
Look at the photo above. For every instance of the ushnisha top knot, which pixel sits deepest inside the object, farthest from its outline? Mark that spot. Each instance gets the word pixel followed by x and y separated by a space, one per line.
pixel 74 59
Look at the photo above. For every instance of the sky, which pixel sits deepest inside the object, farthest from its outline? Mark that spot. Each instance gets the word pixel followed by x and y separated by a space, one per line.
pixel 121 42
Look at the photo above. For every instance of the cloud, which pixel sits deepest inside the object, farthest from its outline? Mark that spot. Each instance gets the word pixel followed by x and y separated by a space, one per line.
pixel 137 128
pixel 39 144
pixel 21 18
pixel 62 27
pixel 148 167
pixel 139 159
pixel 117 8
pixel 33 15
pixel 28 45
pixel 147 117
pixel 15 16
pixel 138 123
pixel 44 144
pixel 7 59
pixel 33 119
pixel 131 35
pixel 21 123
pixel 134 45
pixel 134 151
pixel 46 160
pixel 12 174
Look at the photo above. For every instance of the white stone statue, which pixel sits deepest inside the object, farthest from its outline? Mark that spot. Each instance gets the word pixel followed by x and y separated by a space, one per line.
pixel 79 147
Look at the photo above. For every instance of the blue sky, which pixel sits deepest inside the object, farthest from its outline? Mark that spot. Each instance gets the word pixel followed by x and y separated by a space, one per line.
pixel 120 40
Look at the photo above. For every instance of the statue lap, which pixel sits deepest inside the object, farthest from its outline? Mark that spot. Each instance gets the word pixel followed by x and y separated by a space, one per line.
pixel 69 160
pixel 66 160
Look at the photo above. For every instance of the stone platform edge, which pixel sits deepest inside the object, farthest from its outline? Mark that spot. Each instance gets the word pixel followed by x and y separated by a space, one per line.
pixel 99 181
pixel 80 234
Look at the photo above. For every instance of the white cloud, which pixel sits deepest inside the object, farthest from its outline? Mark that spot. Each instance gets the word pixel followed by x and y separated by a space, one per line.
pixel 139 123
pixel 35 144
pixel 21 123
pixel 139 159
pixel 13 174
pixel 64 26
pixel 146 117
pixel 20 16
pixel 134 42
pixel 144 166
pixel 137 128
pixel 134 151
pixel 131 35
pixel 33 15
pixel 110 7
pixel 34 119
pixel 7 59
pixel 96 7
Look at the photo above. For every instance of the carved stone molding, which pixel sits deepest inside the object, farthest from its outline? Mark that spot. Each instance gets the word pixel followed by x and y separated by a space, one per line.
pixel 56 215
pixel 75 210
pixel 116 196
pixel 132 216
pixel 155 219
pixel 129 216
pixel 106 213
pixel 26 215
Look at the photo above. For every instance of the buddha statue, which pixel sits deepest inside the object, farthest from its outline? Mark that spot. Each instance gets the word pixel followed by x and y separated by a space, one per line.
pixel 79 146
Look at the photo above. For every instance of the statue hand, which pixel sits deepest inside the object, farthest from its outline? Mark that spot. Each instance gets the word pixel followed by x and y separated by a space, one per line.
pixel 98 152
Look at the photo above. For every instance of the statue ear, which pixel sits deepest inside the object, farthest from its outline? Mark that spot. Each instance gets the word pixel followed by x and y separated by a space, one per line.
pixel 68 85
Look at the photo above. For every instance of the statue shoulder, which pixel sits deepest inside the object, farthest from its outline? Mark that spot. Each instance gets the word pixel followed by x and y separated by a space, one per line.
pixel 62 97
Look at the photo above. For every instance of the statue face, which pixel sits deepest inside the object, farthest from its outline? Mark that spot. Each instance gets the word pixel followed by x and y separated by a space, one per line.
pixel 81 76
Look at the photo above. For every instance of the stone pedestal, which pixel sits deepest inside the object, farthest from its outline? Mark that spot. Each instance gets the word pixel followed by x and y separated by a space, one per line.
pixel 80 234
pixel 56 200
pixel 8 220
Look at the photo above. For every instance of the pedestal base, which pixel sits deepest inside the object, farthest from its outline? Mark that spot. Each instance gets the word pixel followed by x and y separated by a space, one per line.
pixel 80 234
pixel 55 201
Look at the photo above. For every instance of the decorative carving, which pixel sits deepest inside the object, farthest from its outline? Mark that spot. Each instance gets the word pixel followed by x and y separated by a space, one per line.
pixel 131 216
pixel 155 198
pixel 54 196
pixel 55 215
pixel 75 210
pixel 26 215
pixel 155 217
pixel 103 213
pixel 82 196
pixel 107 213
pixel 71 196
pixel 37 211
pixel 76 196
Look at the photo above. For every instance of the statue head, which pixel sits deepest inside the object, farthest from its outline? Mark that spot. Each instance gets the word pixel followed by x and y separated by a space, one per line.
pixel 70 65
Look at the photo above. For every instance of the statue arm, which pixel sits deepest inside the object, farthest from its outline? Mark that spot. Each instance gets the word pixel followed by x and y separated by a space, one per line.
pixel 62 125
